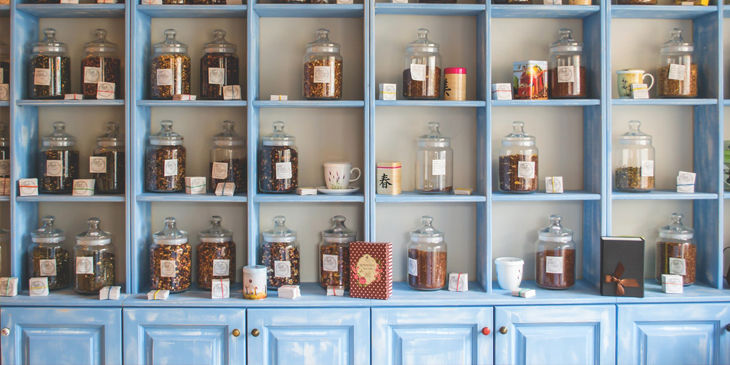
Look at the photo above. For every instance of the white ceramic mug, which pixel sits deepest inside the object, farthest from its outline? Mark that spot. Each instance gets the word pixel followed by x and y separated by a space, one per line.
pixel 337 174
pixel 509 272
pixel 625 78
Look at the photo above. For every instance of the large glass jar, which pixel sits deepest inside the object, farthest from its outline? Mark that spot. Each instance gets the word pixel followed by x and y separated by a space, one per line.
pixel 323 68
pixel 58 164
pixel 165 161
pixel 677 75
pixel 280 254
pixel 47 256
pixel 171 259
pixel 49 74
pixel 107 161
pixel 4 150
pixel 634 161
pixel 334 254
pixel 4 63
pixel 4 253
pixel 228 159
pixel 518 161
pixel 567 72
pixel 422 68
pixel 216 255
pixel 278 162
pixel 555 256
pixel 101 76
pixel 170 71
pixel 434 162
pixel 218 66
pixel 94 259
pixel 427 257
pixel 676 252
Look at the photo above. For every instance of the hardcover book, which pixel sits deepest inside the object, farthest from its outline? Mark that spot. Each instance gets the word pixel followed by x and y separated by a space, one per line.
pixel 622 266
pixel 371 270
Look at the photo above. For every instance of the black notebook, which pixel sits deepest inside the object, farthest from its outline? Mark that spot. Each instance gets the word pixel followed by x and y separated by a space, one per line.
pixel 622 266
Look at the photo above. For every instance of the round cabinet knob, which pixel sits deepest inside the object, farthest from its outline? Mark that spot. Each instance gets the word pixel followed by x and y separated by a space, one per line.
pixel 503 330
pixel 236 332
pixel 255 333
pixel 727 328
pixel 5 331
pixel 486 331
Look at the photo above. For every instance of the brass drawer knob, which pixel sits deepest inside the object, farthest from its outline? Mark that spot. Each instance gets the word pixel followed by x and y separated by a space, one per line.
pixel 236 332
pixel 255 333
pixel 503 330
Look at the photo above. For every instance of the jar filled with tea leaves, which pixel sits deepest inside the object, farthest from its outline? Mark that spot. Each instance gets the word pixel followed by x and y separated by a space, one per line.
pixel 676 252
pixel 422 68
pixel 49 74
pixel 334 254
pixel 101 69
pixel 94 259
pixel 555 256
pixel 58 164
pixel 278 162
pixel 323 68
pixel 434 162
pixel 218 66
pixel 280 254
pixel 677 75
pixel 171 259
pixel 165 161
pixel 4 63
pixel 427 257
pixel 518 161
pixel 170 71
pixel 107 162
pixel 216 255
pixel 567 72
pixel 634 161
pixel 4 150
pixel 47 256
pixel 228 159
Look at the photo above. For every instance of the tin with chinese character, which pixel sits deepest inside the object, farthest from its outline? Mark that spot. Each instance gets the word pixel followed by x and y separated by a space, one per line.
pixel 388 177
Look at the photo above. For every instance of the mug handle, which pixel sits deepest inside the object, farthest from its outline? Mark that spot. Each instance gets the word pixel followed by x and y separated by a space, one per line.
pixel 359 173
pixel 652 80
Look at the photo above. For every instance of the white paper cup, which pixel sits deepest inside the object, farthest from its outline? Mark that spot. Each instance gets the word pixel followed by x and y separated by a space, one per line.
pixel 509 272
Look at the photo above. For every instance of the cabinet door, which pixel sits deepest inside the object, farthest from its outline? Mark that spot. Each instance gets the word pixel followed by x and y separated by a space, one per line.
pixel 674 334
pixel 184 336
pixel 322 336
pixel 432 336
pixel 555 335
pixel 62 336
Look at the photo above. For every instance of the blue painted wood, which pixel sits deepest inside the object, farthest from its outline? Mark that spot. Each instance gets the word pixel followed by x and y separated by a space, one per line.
pixel 71 103
pixel 428 9
pixel 662 195
pixel 73 10
pixel 486 230
pixel 357 197
pixel 697 293
pixel 309 10
pixel 664 102
pixel 309 104
pixel 544 11
pixel 193 11
pixel 72 199
pixel 182 197
pixel 4 103
pixel 64 298
pixel 483 253
pixel 412 197
pixel 499 196
pixel 432 103
pixel 369 115
pixel 253 132
pixel 661 12
pixel 543 103
pixel 4 198
pixel 193 103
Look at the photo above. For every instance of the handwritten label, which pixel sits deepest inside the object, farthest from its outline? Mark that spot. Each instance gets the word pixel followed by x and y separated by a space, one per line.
pixel 283 170
pixel 42 77
pixel 438 168
pixel 322 74
pixel 677 72
pixel 553 265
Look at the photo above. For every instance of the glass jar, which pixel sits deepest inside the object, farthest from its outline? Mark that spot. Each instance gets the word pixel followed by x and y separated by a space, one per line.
pixel 4 150
pixel 107 161
pixel 278 162
pixel 677 75
pixel 218 66
pixel 427 257
pixel 334 254
pixel 434 162
pixel 101 76
pixel 171 261
pixel 518 161
pixel 48 258
pixel 676 252
pixel 228 159
pixel 280 255
pixel 165 161
pixel 634 161
pixel 567 73
pixel 216 255
pixel 422 68
pixel 555 256
pixel 4 63
pixel 4 253
pixel 323 68
pixel 170 71
pixel 58 164
pixel 50 68
pixel 94 259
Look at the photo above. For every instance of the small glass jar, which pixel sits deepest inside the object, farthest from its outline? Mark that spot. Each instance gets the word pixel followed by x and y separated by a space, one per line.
pixel 50 68
pixel 677 75
pixel 518 161
pixel 323 68
pixel 47 256
pixel 58 164
pixel 278 162
pixel 634 161
pixel 165 161
pixel 171 259
pixel 107 161
pixel 94 259
pixel 228 159
pixel 555 256
pixel 334 254
pixel 567 72
pixel 170 71
pixel 216 255
pixel 101 76
pixel 434 162
pixel 4 63
pixel 422 68
pixel 218 66
pixel 427 257
pixel 4 253
pixel 4 150
pixel 676 252
pixel 280 254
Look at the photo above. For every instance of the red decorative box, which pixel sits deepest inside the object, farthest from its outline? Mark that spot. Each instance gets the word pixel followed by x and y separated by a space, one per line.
pixel 371 270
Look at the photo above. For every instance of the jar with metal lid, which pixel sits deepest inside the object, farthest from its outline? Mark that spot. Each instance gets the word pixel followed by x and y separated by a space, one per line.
pixel 170 71
pixel 101 76
pixel 171 259
pixel 94 259
pixel 218 66
pixel 280 254
pixel 427 257
pixel 4 63
pixel 422 68
pixel 47 256
pixel 518 161
pixel 567 72
pixel 634 161
pixel 165 161
pixel 106 163
pixel 4 253
pixel 228 159
pixel 278 162
pixel 434 162
pixel 50 68
pixel 216 254
pixel 323 68
pixel 555 256
pixel 58 164
pixel 676 252
pixel 677 75
pixel 334 254
pixel 4 151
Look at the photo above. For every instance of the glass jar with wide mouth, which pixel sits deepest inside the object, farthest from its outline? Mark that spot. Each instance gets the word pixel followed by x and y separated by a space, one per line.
pixel 334 254
pixel 171 259
pixel 518 161
pixel 216 255
pixel 278 164
pixel 677 75
pixel 427 257
pixel 218 66
pixel 567 72
pixel 94 259
pixel 322 68
pixel 165 161
pixel 47 256
pixel 101 76
pixel 49 74
pixel 4 150
pixel 107 161
pixel 434 162
pixel 555 264
pixel 228 159
pixel 634 161
pixel 58 163
pixel 280 254
pixel 170 70
pixel 4 63
pixel 422 68
pixel 676 252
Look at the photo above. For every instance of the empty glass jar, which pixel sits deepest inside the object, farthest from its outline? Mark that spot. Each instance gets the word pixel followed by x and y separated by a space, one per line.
pixel 427 257
pixel 216 254
pixel 555 256
pixel 94 259
pixel 280 255
pixel 165 160
pixel 567 72
pixel 278 164
pixel 58 164
pixel 171 259
pixel 170 71
pixel 676 252
pixel 634 161
pixel 101 76
pixel 107 161
pixel 518 161
pixel 228 159
pixel 434 162
pixel 422 68
pixel 334 254
pixel 50 68
pixel 677 75
pixel 47 256
pixel 218 66
pixel 323 68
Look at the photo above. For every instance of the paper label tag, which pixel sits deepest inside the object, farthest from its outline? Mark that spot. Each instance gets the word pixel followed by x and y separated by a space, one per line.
pixel 639 91
pixel 220 170
pixel 167 268
pixel 54 168
pixel 329 263
pixel 47 267
pixel 170 167
pixel 215 76
pixel 92 75
pixel 221 267
pixel 566 74
pixel 164 77
pixel 105 90
pixel 677 72
pixel 85 265
pixel 438 168
pixel 526 169
pixel 647 168
pixel 4 167
pixel 677 266
pixel 418 72
pixel 42 77
pixel 554 184
pixel 232 92
pixel 97 164
pixel 553 264
pixel 322 74
pixel 282 269
pixel 283 170
pixel 4 92
pixel 412 267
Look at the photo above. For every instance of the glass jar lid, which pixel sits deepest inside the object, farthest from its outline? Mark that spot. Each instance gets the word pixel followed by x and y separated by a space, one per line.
pixel 339 233
pixel 228 137
pixel 634 135
pixel 48 233
pixel 555 232
pixel 216 233
pixel 170 44
pixel 434 138
pixel 676 230
pixel 50 44
pixel 279 137
pixel 518 137
pixel 280 232
pixel 566 43
pixel 170 235
pixel 323 44
pixel 94 235
pixel 166 136
pixel 422 44
pixel 426 233
pixel 100 44
pixel 4 132
pixel 112 138
pixel 219 43
pixel 676 44
pixel 59 137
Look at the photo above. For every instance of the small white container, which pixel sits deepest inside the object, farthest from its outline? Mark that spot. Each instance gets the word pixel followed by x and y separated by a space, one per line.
pixel 254 282
pixel 509 272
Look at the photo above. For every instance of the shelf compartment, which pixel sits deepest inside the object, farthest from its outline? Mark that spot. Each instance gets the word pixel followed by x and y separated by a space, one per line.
pixel 660 11
pixel 544 11
pixel 44 198
pixel 71 103
pixel 309 10
pixel 319 198
pixel 499 196
pixel 550 102
pixel 73 10
pixel 429 9
pixel 198 198
pixel 309 104
pixel 437 103
pixel 193 11
pixel 413 197
pixel 664 102
pixel 193 103
pixel 662 195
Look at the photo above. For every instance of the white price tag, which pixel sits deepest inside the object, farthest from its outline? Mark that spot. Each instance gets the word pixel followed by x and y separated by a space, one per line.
pixel 322 74
pixel 553 264
pixel 412 267
pixel 677 72
pixel 329 263
pixel 220 170
pixel 418 72
pixel 216 75
pixel 42 77
pixel 438 168
pixel 282 269
pixel 526 169
pixel 54 168
pixel 164 77
pixel 647 168
pixel 47 267
pixel 85 265
pixel 283 170
pixel 566 74
pixel 167 268
pixel 170 167
pixel 97 164
pixel 677 266
pixel 92 75
pixel 221 267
